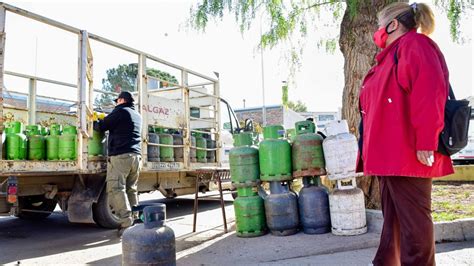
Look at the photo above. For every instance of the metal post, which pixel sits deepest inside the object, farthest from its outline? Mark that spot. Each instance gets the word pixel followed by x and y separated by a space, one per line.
pixel 142 102
pixel 187 130
pixel 31 103
pixel 80 87
pixel 264 111
pixel 2 57
pixel 83 84
pixel 217 120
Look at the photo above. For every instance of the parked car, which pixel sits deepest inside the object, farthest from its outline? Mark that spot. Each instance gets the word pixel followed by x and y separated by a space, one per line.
pixel 466 155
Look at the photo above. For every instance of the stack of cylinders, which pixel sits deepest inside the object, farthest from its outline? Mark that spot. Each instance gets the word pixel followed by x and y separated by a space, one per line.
pixel 346 202
pixel 68 143
pixel 36 143
pixel 281 205
pixel 244 169
pixel 308 163
pixel 52 143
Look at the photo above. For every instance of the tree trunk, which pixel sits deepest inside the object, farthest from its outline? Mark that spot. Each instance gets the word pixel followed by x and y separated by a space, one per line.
pixel 359 56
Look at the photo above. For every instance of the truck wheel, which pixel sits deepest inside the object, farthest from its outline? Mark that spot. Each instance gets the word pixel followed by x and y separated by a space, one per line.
pixel 104 215
pixel 39 203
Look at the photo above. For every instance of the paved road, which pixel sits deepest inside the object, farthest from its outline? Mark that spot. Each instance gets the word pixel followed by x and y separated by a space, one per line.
pixel 449 254
pixel 55 240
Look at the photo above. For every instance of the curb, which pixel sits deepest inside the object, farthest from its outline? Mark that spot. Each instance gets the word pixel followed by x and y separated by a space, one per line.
pixel 457 230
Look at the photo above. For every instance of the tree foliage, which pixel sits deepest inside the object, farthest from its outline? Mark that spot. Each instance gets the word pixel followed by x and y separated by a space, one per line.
pixel 284 18
pixel 124 78
pixel 297 106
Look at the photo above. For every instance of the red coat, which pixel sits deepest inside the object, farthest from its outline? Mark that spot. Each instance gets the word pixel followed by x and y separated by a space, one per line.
pixel 402 117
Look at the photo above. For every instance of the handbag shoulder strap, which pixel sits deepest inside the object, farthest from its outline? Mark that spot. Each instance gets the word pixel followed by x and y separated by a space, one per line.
pixel 451 92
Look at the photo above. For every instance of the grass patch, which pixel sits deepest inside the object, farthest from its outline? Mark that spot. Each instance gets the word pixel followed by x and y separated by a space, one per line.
pixel 449 211
pixel 452 200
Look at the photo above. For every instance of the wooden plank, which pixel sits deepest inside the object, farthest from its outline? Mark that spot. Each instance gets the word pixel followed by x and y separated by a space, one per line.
pixel 50 168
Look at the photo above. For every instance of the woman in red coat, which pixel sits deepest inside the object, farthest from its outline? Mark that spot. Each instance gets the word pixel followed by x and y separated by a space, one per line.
pixel 402 103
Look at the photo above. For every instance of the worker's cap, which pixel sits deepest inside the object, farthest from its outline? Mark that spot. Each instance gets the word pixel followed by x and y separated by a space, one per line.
pixel 127 96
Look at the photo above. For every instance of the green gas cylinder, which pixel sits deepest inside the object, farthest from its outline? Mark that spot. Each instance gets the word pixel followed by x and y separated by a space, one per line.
pixel 15 142
pixel 68 143
pixel 95 145
pixel 52 142
pixel 166 153
pixel 275 155
pixel 201 153
pixel 36 143
pixel 307 151
pixel 249 213
pixel 44 131
pixel 243 159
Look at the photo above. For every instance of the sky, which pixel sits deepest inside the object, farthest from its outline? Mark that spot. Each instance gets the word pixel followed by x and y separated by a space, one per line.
pixel 160 28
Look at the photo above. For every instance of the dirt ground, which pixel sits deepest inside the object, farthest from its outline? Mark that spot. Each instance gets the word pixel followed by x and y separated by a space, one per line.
pixel 452 200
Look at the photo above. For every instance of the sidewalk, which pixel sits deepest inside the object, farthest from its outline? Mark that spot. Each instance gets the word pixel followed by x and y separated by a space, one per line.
pixel 230 249
pixel 302 249
pixel 456 253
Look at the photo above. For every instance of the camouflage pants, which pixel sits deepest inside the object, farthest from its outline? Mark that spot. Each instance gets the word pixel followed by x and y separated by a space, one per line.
pixel 122 178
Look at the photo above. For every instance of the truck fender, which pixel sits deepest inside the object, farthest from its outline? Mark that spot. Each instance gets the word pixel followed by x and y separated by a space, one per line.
pixel 85 192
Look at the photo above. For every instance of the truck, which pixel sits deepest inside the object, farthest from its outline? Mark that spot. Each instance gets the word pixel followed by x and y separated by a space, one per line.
pixel 190 105
pixel 466 155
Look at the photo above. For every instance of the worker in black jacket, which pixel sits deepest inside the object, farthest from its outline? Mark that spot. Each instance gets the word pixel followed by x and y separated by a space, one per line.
pixel 124 124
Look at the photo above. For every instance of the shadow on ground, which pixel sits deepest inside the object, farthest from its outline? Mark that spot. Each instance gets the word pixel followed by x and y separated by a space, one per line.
pixel 24 239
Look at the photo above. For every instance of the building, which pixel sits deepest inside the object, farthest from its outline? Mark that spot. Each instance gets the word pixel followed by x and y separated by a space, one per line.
pixel 275 115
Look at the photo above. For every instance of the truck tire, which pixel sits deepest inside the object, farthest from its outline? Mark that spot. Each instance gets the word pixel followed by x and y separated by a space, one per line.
pixel 35 203
pixel 104 215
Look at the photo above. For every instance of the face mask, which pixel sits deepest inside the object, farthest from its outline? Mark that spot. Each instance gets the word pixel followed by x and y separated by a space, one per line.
pixel 381 36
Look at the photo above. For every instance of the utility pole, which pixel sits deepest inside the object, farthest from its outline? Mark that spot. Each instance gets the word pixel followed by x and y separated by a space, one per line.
pixel 264 111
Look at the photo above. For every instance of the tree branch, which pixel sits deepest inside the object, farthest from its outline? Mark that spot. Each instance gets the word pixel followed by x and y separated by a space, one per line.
pixel 320 4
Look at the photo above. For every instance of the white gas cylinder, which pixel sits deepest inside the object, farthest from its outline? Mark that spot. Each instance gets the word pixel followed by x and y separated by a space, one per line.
pixel 347 209
pixel 340 151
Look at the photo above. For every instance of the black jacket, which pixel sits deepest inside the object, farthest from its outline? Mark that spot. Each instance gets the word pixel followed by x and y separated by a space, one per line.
pixel 125 126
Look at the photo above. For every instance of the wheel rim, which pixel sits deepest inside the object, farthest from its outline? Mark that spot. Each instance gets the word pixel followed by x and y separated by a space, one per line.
pixel 112 213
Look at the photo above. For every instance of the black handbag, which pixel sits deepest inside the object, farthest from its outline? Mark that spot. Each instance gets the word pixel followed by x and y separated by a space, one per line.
pixel 457 114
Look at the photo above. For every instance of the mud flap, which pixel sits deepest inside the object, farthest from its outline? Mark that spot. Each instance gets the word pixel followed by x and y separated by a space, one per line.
pixel 86 191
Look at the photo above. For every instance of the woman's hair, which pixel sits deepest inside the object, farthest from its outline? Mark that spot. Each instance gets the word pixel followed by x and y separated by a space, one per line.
pixel 414 16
